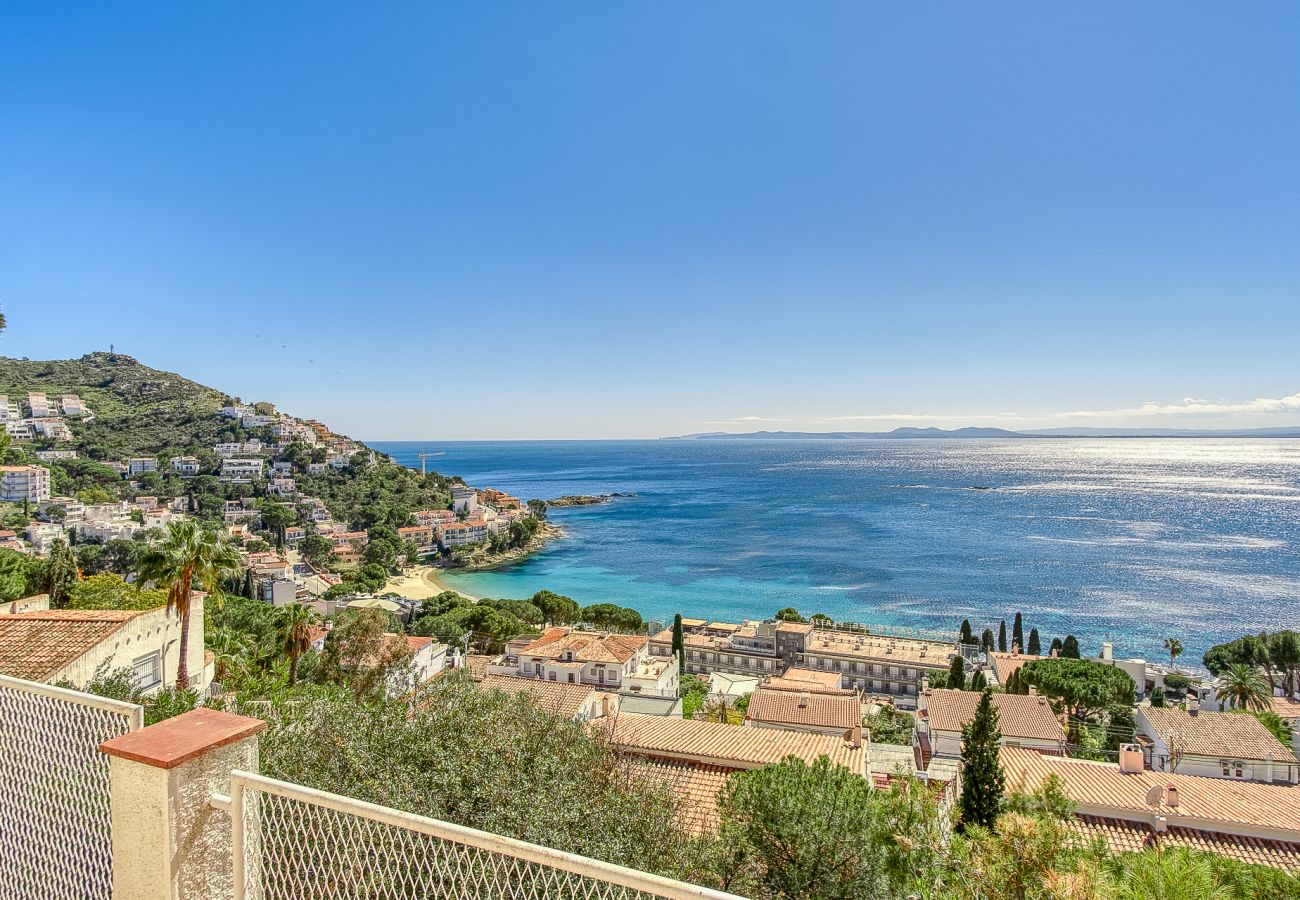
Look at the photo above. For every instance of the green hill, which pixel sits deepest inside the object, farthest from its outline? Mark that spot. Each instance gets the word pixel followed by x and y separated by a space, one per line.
pixel 138 411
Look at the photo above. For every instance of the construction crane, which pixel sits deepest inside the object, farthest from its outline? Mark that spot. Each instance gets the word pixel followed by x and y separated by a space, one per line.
pixel 424 470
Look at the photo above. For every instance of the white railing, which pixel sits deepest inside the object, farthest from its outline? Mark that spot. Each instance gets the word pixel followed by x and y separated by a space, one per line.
pixel 293 843
pixel 55 824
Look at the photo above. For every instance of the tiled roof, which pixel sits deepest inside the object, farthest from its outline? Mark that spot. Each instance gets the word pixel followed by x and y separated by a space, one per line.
pixel 564 700
pixel 36 645
pixel 810 709
pixel 1216 733
pixel 1208 804
pixel 587 646
pixel 795 627
pixel 735 746
pixel 696 786
pixel 1286 707
pixel 798 679
pixel 1020 716
pixel 1005 664
pixel 1124 836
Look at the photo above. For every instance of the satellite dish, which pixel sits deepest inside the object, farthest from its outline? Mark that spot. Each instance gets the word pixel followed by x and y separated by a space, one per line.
pixel 1155 795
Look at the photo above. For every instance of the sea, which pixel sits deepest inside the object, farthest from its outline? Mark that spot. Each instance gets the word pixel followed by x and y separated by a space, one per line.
pixel 1126 541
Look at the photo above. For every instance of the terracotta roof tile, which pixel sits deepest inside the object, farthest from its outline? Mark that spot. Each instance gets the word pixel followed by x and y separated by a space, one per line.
pixel 734 746
pixel 565 700
pixel 1019 716
pixel 1216 733
pixel 1206 804
pixel 695 785
pixel 782 707
pixel 1125 836
pixel 586 646
pixel 36 645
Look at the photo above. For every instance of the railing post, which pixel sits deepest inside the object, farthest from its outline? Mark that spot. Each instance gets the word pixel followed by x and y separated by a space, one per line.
pixel 169 843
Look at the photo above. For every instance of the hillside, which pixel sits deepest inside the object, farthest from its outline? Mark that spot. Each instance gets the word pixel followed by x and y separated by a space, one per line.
pixel 138 411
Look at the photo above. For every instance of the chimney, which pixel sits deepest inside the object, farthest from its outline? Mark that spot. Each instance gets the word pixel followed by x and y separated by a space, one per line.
pixel 1171 796
pixel 1130 759
pixel 1193 705
pixel 854 736
pixel 803 699
pixel 1033 691
pixel 925 685
pixel 1056 653
pixel 1160 825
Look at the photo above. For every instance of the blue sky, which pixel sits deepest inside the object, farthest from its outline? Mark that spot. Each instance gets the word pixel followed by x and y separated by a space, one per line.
pixel 619 220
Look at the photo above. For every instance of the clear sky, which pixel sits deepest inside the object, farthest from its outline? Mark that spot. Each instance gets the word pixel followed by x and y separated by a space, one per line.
pixel 615 219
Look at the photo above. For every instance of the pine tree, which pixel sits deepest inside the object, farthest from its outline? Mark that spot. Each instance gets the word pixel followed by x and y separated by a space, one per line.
pixel 1070 647
pixel 957 673
pixel 967 634
pixel 679 644
pixel 1002 637
pixel 983 780
pixel 1018 634
pixel 1035 644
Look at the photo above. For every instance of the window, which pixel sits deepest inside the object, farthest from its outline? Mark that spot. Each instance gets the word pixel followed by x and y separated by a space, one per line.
pixel 147 671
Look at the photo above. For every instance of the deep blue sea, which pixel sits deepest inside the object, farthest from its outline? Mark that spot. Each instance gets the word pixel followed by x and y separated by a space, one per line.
pixel 1122 540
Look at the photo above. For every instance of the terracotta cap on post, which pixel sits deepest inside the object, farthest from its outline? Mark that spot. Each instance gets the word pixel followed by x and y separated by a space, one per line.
pixel 174 741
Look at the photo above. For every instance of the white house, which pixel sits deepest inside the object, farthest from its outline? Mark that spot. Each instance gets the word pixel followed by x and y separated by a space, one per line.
pixel 186 465
pixel 568 656
pixel 572 701
pixel 240 471
pixel 1214 744
pixel 71 645
pixel 1025 721
pixel 141 464
pixel 464 499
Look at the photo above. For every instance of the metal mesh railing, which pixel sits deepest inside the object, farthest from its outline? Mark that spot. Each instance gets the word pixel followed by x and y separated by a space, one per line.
pixel 55 825
pixel 294 843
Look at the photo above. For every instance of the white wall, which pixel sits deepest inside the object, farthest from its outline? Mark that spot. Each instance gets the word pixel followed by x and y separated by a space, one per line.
pixel 148 633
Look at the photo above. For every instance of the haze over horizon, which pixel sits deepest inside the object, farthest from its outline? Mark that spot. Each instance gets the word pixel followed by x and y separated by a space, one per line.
pixel 411 222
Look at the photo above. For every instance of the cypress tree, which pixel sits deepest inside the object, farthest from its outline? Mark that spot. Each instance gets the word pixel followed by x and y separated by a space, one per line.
pixel 986 640
pixel 977 681
pixel 1055 649
pixel 967 634
pixel 1002 637
pixel 1070 647
pixel 679 644
pixel 1018 634
pixel 957 673
pixel 1035 644
pixel 982 777
pixel 250 591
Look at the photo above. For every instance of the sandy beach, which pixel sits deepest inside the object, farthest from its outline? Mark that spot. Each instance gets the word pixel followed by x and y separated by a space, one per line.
pixel 421 583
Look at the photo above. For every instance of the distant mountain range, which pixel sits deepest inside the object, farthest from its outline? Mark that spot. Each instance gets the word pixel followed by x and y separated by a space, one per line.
pixel 1290 432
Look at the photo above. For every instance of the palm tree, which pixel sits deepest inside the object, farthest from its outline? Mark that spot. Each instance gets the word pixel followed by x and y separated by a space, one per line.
pixel 1242 687
pixel 295 635
pixel 188 557
pixel 719 711
pixel 1175 649
pixel 231 652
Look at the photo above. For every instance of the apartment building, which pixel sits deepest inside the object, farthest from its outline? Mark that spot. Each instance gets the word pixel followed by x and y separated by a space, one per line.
pixel 501 500
pixel 9 411
pixel 457 534
pixel 71 405
pixel 52 455
pixel 878 665
pixel 282 487
pixel 53 428
pixel 24 483
pixel 419 535
pixel 431 517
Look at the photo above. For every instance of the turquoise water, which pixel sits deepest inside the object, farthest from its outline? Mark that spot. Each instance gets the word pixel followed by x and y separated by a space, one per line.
pixel 1122 540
